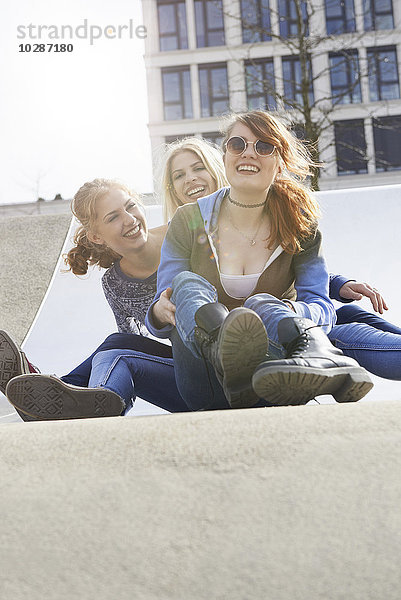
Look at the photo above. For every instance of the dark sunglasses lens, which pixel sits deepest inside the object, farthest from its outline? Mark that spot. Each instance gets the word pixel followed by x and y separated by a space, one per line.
pixel 236 145
pixel 264 148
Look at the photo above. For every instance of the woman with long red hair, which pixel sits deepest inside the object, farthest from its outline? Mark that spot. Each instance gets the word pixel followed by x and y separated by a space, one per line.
pixel 243 268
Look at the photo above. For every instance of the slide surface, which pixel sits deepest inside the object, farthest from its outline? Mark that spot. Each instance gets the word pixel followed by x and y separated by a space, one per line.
pixel 361 240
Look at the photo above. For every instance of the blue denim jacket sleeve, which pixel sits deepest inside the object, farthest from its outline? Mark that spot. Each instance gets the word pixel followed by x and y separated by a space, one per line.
pixel 336 283
pixel 312 284
pixel 174 258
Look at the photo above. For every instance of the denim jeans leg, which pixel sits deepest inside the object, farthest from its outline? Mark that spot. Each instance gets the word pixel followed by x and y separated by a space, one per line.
pixel 190 292
pixel 125 341
pixel 271 310
pixel 130 374
pixel 196 379
pixel 377 351
pixel 352 313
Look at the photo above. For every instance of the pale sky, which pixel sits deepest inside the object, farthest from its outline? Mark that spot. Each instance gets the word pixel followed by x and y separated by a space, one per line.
pixel 66 118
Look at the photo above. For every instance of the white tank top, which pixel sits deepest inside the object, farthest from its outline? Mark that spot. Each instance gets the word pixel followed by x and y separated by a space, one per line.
pixel 239 286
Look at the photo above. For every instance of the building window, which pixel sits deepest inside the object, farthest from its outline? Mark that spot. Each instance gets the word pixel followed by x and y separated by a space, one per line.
pixel 345 79
pixel 378 14
pixel 209 23
pixel 350 147
pixel 255 19
pixel 177 96
pixel 292 79
pixel 340 16
pixel 169 139
pixel 215 137
pixel 387 134
pixel 292 24
pixel 259 78
pixel 213 89
pixel 383 74
pixel 172 24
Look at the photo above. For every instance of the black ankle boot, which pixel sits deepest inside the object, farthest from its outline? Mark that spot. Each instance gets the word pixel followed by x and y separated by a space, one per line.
pixel 234 343
pixel 312 367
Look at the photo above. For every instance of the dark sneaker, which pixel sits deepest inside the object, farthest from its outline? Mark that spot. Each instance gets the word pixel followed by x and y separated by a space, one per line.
pixel 13 361
pixel 45 397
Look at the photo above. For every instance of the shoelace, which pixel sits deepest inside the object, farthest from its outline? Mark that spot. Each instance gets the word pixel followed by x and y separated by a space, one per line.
pixel 300 343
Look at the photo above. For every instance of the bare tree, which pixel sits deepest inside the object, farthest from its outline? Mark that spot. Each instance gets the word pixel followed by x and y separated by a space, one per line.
pixel 313 60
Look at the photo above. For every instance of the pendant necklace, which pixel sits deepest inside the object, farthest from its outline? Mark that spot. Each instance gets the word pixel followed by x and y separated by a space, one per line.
pixel 251 239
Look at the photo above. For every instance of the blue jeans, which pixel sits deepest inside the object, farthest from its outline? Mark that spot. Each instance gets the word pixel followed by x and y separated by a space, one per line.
pixel 369 339
pixel 129 373
pixel 123 341
pixel 196 380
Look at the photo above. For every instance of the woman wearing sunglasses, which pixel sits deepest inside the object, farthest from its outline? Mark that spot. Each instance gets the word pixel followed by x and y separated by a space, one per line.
pixel 242 268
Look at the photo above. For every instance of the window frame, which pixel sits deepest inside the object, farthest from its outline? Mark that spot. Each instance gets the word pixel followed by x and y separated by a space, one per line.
pixel 341 124
pixel 376 71
pixel 370 14
pixel 285 19
pixel 351 60
pixel 343 18
pixel 262 62
pixel 390 127
pixel 208 68
pixel 208 30
pixel 262 17
pixel 292 59
pixel 182 44
pixel 180 70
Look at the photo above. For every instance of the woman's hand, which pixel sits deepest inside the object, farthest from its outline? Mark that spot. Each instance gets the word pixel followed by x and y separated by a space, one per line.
pixel 164 310
pixel 355 290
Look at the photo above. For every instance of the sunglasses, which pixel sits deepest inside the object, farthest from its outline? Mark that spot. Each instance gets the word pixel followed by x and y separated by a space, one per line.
pixel 236 145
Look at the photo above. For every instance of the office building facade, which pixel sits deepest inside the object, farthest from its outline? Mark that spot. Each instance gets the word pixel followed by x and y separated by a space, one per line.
pixel 205 58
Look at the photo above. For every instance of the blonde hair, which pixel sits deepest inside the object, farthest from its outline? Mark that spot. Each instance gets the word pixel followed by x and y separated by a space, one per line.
pixel 292 210
pixel 83 207
pixel 209 154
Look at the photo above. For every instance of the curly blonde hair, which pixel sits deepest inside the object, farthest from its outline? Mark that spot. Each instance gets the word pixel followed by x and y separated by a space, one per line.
pixel 83 207
pixel 293 211
pixel 208 153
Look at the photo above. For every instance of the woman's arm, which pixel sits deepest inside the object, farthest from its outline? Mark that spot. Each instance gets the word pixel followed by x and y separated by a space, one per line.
pixel 312 284
pixel 175 258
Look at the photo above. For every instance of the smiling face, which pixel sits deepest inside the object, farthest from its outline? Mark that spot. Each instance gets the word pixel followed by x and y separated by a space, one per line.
pixel 120 222
pixel 249 171
pixel 191 180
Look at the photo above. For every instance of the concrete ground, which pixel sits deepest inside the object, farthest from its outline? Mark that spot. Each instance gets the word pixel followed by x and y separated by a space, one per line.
pixel 292 503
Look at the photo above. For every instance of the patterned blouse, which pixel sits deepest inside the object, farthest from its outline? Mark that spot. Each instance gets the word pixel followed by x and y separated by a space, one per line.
pixel 129 298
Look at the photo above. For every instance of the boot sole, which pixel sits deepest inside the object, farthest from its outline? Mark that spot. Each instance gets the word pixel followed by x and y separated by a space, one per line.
pixel 243 346
pixel 286 385
pixel 45 397
pixel 12 360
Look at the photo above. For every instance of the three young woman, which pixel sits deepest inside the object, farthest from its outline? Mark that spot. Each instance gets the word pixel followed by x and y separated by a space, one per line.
pixel 130 364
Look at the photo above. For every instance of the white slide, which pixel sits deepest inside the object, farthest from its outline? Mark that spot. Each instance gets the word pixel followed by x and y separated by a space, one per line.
pixel 361 241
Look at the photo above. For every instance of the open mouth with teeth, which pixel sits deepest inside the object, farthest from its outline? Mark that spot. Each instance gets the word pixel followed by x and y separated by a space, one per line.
pixel 133 232
pixel 248 168
pixel 196 191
